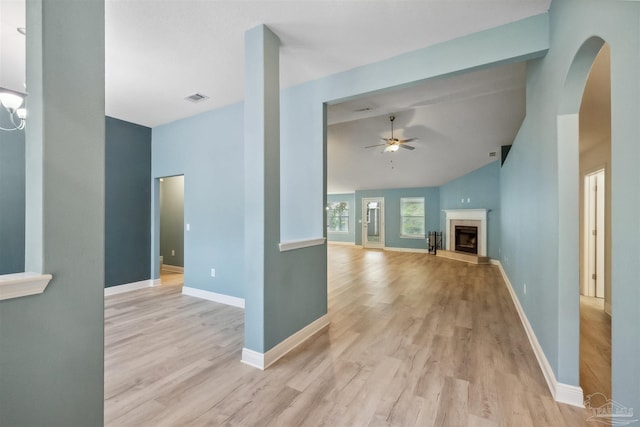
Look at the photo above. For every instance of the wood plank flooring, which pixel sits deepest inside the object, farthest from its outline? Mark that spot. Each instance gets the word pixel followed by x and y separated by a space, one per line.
pixel 595 347
pixel 415 340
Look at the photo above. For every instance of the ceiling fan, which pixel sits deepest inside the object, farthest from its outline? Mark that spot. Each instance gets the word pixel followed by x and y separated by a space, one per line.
pixel 393 144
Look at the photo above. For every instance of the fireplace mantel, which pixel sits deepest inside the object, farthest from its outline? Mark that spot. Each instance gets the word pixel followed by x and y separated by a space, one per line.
pixel 467 215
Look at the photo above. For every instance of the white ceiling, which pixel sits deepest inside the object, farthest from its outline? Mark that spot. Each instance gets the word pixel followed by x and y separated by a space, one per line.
pixel 160 51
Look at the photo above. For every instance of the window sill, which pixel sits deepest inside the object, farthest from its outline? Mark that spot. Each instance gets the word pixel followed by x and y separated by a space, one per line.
pixel 414 237
pixel 337 232
pixel 22 284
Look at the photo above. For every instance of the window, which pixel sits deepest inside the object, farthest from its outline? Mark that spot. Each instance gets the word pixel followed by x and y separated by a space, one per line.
pixel 338 217
pixel 412 217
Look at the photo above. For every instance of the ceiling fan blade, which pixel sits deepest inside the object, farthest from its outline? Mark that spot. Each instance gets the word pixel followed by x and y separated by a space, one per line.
pixel 408 147
pixel 377 145
pixel 402 141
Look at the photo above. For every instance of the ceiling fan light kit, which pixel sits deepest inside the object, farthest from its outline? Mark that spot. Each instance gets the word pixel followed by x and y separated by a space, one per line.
pixel 392 144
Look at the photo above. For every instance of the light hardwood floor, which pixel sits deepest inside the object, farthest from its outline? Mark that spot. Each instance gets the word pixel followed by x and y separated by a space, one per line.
pixel 595 347
pixel 171 278
pixel 414 340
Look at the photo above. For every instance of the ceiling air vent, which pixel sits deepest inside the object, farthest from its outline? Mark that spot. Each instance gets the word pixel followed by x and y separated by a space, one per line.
pixel 196 97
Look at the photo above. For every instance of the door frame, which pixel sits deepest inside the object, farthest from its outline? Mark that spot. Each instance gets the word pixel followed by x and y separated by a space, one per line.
pixel 594 246
pixel 365 243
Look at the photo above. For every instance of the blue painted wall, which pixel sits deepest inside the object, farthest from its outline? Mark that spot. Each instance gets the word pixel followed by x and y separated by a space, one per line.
pixel 52 344
pixel 127 202
pixel 392 214
pixel 172 220
pixel 479 189
pixel 12 176
pixel 208 150
pixel 350 236
pixel 539 190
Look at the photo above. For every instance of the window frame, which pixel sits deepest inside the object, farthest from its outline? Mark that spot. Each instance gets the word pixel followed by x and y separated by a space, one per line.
pixel 403 235
pixel 342 217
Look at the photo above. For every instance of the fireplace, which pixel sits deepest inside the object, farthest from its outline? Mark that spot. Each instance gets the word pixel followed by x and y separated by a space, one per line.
pixel 466 239
pixel 476 218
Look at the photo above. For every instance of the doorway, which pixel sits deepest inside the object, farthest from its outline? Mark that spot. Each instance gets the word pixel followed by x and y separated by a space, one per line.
pixel 172 230
pixel 373 222
pixel 595 225
pixel 594 235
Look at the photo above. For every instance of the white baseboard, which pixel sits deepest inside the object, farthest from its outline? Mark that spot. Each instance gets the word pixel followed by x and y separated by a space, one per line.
pixel 213 296
pixel 418 251
pixel 563 393
pixel 253 358
pixel 128 287
pixel 264 360
pixel 336 242
pixel 173 268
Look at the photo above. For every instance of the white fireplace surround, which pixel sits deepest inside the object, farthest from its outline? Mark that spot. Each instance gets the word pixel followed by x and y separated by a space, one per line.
pixel 466 215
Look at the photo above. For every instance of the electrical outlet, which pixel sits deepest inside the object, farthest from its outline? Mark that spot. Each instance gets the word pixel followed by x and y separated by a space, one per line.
pixel 525 288
pixel 173 252
pixel 213 272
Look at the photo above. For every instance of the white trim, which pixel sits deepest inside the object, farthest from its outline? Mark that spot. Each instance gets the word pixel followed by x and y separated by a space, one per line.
pixel 413 250
pixel 336 242
pixel 127 287
pixel 563 393
pixel 470 215
pixel 569 394
pixel 252 358
pixel 299 244
pixel 173 268
pixel 18 285
pixel 213 296
pixel 264 360
pixel 157 282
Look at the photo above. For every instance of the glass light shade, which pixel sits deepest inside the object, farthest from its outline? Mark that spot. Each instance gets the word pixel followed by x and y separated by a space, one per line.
pixel 11 101
pixel 391 148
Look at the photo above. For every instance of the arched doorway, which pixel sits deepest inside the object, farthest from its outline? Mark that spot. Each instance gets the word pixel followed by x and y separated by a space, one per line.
pixel 584 158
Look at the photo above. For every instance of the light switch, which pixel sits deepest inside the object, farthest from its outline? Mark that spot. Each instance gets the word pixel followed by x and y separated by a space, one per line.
pixel 188 227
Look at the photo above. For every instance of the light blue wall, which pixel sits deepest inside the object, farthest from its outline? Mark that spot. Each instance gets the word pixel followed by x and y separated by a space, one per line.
pixel 12 189
pixel 52 344
pixel 208 150
pixel 350 236
pixel 172 220
pixel 482 188
pixel 392 214
pixel 127 202
pixel 539 192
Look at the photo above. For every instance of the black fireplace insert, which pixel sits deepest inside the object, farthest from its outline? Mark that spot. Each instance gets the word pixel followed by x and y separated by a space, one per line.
pixel 466 239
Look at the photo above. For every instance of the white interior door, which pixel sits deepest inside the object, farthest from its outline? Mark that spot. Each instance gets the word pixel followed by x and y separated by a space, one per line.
pixel 594 217
pixel 373 222
pixel 600 233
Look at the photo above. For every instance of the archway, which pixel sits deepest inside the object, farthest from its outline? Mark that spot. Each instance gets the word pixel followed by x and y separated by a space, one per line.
pixel 576 160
